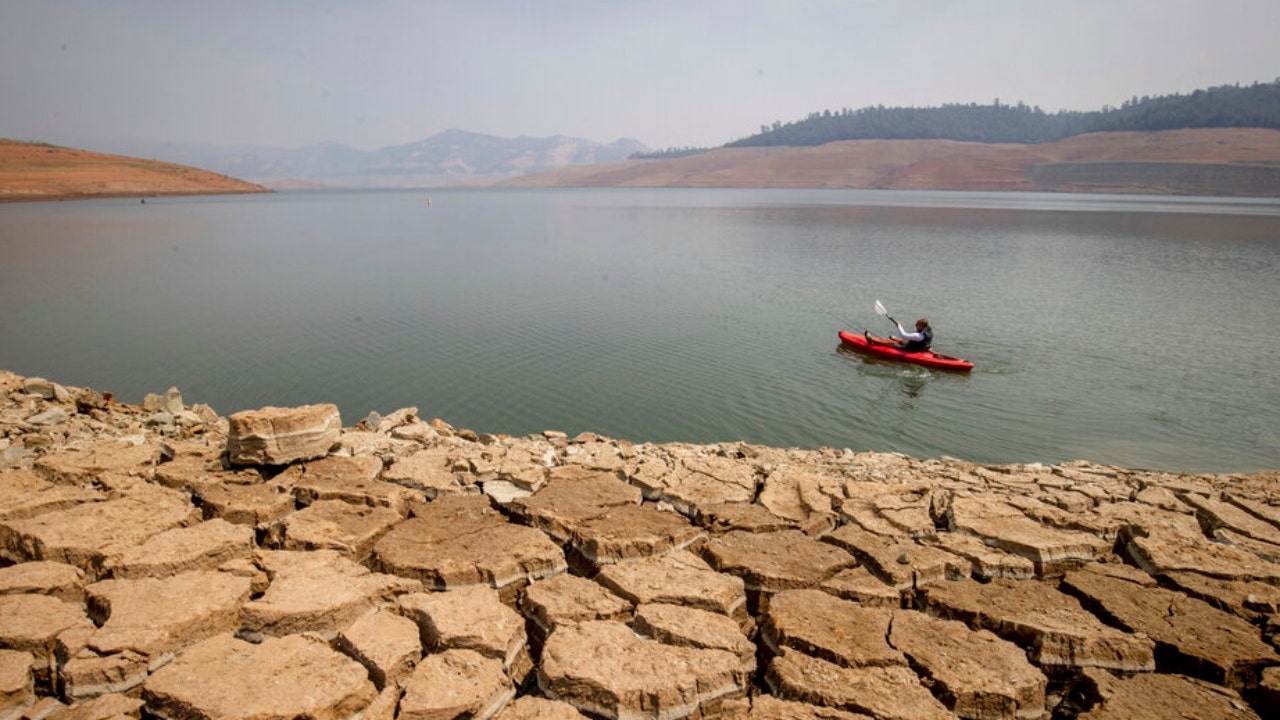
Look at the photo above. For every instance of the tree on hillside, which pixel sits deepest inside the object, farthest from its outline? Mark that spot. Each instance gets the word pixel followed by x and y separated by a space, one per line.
pixel 1257 105
pixel 668 154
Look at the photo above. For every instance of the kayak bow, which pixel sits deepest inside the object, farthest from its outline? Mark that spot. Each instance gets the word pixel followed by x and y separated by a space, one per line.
pixel 927 358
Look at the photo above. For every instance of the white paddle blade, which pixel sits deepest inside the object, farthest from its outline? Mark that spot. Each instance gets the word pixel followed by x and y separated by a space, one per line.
pixel 880 309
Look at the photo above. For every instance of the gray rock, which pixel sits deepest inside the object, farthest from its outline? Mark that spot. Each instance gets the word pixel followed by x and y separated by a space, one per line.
pixel 39 387
pixel 170 402
pixel 52 416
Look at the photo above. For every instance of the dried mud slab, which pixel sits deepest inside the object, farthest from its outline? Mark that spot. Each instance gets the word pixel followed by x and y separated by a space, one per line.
pixel 1191 636
pixel 1052 627
pixel 346 528
pixel 679 578
pixel 456 684
pixel 974 673
pixel 629 532
pixel 470 618
pixel 604 669
pixel 775 561
pixel 386 644
pixel 899 562
pixel 1162 696
pixel 93 536
pixel 566 598
pixel 320 592
pixel 292 676
pixel 457 541
pixel 691 627
pixel 889 693
pixel 838 631
pixel 608 579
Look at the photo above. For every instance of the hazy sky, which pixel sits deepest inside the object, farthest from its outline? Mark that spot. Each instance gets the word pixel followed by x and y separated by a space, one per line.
pixel 373 73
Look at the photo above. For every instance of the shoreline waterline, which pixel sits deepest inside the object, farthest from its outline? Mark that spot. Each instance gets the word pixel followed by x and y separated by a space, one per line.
pixel 152 406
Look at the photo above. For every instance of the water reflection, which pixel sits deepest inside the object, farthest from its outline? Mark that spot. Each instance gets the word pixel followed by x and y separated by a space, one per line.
pixel 699 316
pixel 905 380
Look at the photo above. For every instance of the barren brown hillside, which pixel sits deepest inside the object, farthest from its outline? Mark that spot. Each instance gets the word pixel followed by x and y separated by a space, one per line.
pixel 45 172
pixel 1240 162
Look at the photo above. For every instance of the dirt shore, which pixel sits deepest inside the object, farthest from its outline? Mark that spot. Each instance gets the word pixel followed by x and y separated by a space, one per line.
pixel 34 171
pixel 1229 162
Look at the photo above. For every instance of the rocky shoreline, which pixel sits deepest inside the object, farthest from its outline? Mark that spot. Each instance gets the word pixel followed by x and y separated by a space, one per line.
pixel 163 561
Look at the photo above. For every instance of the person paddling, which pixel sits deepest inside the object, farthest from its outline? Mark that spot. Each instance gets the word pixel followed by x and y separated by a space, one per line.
pixel 918 341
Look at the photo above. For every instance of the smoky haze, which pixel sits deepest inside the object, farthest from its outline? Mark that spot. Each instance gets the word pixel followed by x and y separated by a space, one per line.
pixel 667 73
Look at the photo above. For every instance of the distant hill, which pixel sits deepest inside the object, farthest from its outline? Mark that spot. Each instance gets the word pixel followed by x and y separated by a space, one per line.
pixel 35 171
pixel 453 157
pixel 1227 106
pixel 1232 162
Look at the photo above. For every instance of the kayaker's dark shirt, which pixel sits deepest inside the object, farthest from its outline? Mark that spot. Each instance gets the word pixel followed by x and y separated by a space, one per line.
pixel 920 345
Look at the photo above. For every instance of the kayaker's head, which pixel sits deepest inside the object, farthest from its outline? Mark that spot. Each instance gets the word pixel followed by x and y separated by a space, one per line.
pixel 921 324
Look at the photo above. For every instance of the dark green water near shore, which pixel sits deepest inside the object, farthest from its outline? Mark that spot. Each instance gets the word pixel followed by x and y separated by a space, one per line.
pixel 1135 331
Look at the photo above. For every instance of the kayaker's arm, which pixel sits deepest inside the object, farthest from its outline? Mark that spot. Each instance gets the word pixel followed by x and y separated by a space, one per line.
pixel 902 333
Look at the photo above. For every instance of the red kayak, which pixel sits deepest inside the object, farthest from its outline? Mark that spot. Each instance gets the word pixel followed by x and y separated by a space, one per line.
pixel 927 358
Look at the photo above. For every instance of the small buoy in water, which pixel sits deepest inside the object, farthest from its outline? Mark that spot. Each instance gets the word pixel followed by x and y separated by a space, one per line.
pixel 144 201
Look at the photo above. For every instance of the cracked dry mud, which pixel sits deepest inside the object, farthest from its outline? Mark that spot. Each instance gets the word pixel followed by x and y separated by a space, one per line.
pixel 163 561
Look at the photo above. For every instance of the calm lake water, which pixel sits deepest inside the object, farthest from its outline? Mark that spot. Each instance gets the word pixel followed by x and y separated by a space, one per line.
pixel 1135 331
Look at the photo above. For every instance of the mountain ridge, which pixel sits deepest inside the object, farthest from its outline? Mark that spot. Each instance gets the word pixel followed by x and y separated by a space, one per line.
pixel 451 157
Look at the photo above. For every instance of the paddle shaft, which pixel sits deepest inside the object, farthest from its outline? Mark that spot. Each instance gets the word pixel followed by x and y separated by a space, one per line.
pixel 882 311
